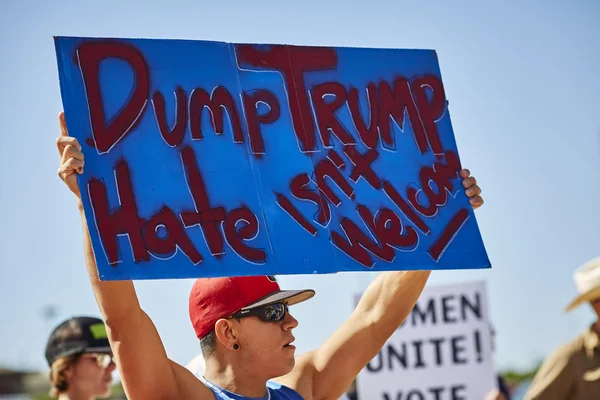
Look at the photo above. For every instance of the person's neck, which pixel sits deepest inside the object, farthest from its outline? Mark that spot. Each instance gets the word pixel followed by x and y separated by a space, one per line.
pixel 242 381
pixel 73 395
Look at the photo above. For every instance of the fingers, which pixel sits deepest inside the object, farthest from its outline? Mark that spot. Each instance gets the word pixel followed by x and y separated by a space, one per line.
pixel 63 141
pixel 476 202
pixel 71 152
pixel 70 167
pixel 469 182
pixel 473 191
pixel 71 157
pixel 63 124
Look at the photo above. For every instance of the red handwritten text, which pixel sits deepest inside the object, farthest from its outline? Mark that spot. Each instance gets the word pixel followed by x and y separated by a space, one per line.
pixel 316 126
pixel 215 222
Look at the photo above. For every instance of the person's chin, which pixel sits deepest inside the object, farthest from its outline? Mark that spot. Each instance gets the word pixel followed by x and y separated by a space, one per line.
pixel 286 365
pixel 291 362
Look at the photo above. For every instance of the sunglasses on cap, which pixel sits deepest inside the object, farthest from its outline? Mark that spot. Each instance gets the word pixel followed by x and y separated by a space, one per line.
pixel 103 360
pixel 270 313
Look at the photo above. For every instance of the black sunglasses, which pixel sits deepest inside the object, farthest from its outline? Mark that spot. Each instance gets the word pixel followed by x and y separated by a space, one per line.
pixel 270 313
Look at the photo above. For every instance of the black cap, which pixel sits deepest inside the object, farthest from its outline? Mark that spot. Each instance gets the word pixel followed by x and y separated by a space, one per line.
pixel 77 335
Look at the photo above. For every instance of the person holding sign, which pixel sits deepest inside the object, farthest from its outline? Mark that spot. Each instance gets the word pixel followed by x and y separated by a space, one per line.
pixel 244 327
pixel 572 371
pixel 80 360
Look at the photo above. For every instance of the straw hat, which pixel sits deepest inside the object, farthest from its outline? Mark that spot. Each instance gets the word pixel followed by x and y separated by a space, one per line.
pixel 587 280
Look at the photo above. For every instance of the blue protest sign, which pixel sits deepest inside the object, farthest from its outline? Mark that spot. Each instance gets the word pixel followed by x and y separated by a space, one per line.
pixel 217 159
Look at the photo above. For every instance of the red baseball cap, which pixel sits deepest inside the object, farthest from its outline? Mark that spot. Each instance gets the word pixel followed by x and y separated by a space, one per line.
pixel 214 298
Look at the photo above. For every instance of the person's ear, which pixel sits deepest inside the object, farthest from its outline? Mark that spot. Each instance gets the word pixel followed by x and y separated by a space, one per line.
pixel 69 373
pixel 227 333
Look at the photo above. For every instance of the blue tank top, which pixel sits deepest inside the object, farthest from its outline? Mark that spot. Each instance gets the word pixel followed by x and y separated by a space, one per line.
pixel 275 391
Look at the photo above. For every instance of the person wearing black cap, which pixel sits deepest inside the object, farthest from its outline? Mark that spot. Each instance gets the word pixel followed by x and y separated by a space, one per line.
pixel 80 359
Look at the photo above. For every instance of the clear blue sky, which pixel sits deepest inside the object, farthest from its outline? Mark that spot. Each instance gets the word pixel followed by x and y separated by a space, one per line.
pixel 523 85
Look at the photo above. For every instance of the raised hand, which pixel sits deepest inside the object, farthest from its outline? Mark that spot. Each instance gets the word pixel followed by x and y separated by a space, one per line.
pixel 71 157
pixel 472 190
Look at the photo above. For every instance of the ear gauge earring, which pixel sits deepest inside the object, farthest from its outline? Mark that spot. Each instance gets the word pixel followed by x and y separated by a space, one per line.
pixel 236 346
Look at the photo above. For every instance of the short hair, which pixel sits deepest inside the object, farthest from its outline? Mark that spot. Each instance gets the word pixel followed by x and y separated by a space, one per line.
pixel 58 379
pixel 208 344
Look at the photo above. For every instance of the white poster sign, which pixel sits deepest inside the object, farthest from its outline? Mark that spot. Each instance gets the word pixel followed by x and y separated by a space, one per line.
pixel 443 351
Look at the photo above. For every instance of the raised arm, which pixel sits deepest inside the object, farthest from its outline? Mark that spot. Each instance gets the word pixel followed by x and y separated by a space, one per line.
pixel 328 371
pixel 144 368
